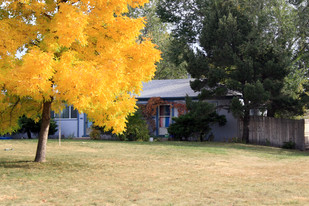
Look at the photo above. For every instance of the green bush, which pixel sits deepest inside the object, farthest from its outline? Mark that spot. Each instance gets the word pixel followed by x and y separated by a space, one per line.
pixel 182 127
pixel 235 140
pixel 289 145
pixel 137 128
pixel 95 133
pixel 197 122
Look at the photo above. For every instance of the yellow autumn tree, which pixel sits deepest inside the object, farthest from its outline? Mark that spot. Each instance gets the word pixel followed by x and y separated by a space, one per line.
pixel 81 52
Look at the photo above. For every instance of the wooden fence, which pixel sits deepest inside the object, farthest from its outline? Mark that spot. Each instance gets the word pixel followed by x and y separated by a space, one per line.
pixel 306 146
pixel 275 132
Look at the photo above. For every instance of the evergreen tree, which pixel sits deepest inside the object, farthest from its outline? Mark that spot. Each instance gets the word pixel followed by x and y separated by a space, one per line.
pixel 245 46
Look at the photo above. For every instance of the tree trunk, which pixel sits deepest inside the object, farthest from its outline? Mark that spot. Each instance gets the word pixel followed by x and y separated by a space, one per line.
pixel 28 134
pixel 43 135
pixel 201 137
pixel 245 129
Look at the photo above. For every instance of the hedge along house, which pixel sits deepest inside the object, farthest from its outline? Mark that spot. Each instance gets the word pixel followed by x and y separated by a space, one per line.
pixel 173 92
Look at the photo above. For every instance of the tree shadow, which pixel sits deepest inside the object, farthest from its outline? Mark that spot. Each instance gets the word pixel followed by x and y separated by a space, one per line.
pixel 25 164
pixel 259 149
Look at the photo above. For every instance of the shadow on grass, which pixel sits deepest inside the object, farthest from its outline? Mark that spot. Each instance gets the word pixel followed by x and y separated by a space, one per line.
pixel 259 149
pixel 25 164
pixel 213 145
pixel 270 150
pixel 51 165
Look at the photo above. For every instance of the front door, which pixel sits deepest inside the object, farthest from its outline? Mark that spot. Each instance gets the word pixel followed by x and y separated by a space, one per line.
pixel 164 119
pixel 88 124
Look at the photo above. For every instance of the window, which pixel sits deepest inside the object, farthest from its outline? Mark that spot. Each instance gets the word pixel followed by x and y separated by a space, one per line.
pixel 73 112
pixel 164 115
pixel 67 113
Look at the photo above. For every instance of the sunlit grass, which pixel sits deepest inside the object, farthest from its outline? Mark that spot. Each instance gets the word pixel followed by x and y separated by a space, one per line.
pixel 83 172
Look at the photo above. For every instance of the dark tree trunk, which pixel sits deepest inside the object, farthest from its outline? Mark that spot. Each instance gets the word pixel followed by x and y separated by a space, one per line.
pixel 201 137
pixel 43 135
pixel 245 129
pixel 28 134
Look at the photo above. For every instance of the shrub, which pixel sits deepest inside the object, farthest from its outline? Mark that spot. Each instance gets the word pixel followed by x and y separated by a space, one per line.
pixel 182 128
pixel 289 145
pixel 95 133
pixel 196 122
pixel 136 129
pixel 235 140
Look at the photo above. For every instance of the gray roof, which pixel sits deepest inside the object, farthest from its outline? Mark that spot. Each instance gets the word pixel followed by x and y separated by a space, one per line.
pixel 170 88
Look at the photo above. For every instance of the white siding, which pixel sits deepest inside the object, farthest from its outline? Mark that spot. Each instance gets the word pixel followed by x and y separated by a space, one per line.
pixel 68 127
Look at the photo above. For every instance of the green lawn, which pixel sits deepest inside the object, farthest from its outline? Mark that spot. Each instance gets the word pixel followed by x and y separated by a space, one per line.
pixel 84 172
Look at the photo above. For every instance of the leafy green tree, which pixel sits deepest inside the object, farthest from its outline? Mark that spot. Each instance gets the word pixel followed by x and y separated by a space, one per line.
pixel 197 121
pixel 172 65
pixel 245 46
pixel 296 83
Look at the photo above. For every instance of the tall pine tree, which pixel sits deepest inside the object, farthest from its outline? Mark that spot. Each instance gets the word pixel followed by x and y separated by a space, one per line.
pixel 242 46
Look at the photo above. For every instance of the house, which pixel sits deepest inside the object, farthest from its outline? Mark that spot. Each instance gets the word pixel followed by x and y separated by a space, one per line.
pixel 72 123
pixel 172 92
